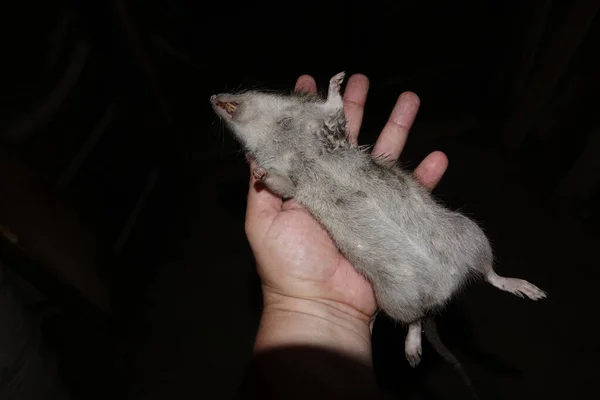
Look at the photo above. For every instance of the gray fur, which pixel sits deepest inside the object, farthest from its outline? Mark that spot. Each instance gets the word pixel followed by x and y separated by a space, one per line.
pixel 416 253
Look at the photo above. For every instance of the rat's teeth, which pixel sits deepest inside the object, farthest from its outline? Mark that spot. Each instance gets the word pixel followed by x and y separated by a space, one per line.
pixel 228 106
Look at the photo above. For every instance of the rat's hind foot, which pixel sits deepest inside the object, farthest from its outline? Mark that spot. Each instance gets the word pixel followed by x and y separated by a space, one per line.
pixel 412 344
pixel 518 287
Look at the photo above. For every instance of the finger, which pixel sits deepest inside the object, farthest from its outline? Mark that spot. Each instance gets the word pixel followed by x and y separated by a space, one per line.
pixel 355 97
pixel 393 136
pixel 306 84
pixel 431 169
pixel 262 205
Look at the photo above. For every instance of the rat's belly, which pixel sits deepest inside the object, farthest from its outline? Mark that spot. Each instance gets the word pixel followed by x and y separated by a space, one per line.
pixel 399 255
pixel 366 234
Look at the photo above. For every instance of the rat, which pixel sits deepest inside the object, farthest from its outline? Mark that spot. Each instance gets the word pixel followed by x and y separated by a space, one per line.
pixel 416 253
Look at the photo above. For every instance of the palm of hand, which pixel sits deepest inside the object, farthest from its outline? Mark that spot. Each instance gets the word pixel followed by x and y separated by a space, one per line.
pixel 298 258
pixel 295 255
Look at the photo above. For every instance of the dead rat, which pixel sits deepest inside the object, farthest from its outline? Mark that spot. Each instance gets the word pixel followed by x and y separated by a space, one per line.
pixel 416 253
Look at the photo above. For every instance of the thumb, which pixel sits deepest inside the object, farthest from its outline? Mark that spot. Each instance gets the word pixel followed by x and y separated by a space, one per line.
pixel 262 206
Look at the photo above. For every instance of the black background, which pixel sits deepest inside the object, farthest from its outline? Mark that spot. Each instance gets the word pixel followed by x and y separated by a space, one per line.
pixel 508 91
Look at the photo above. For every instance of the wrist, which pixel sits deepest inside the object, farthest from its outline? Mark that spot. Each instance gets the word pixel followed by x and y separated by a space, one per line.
pixel 291 321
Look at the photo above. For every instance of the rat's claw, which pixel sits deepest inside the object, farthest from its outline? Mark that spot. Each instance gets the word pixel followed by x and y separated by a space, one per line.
pixel 335 83
pixel 338 78
pixel 259 174
pixel 413 359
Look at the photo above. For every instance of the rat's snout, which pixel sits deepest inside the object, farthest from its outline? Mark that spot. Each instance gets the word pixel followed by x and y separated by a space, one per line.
pixel 223 105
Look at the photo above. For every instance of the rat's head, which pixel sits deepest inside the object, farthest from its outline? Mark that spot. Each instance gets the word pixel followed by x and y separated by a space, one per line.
pixel 270 125
pixel 256 119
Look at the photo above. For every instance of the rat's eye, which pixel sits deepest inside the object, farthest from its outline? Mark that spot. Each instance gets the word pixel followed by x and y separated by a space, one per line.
pixel 285 122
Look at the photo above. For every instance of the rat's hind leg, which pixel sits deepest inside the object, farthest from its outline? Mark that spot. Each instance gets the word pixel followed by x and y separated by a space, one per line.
pixel 518 287
pixel 278 183
pixel 334 97
pixel 412 344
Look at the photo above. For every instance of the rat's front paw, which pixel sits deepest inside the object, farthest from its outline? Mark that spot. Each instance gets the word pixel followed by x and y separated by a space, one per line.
pixel 335 83
pixel 259 174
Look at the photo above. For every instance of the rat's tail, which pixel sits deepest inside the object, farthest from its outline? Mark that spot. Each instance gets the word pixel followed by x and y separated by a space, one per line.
pixel 431 333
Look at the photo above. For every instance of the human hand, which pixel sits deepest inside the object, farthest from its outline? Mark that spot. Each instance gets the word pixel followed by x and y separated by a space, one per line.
pixel 295 256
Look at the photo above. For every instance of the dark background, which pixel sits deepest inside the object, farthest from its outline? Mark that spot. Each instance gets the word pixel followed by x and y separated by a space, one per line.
pixel 122 200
